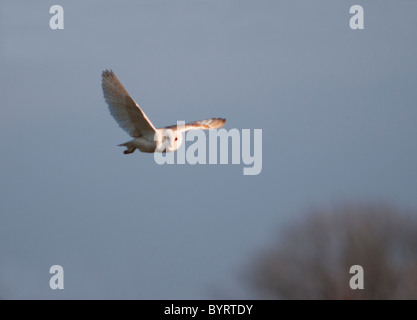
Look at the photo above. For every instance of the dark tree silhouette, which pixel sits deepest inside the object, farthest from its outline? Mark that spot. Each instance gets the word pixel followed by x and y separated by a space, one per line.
pixel 312 259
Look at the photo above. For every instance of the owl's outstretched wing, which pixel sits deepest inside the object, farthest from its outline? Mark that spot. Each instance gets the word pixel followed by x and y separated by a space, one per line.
pixel 213 123
pixel 123 108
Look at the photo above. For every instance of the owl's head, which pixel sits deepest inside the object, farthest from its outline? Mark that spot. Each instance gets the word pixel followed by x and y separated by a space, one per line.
pixel 167 140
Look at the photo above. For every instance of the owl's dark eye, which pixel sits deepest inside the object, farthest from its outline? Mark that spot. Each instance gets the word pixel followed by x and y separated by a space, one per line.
pixel 176 139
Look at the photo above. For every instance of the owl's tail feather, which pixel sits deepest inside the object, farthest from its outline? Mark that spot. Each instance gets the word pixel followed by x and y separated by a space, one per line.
pixel 129 145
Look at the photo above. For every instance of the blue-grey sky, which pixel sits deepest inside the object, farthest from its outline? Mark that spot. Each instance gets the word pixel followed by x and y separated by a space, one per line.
pixel 337 108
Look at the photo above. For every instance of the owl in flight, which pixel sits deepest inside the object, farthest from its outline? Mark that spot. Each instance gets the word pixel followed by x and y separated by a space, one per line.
pixel 134 121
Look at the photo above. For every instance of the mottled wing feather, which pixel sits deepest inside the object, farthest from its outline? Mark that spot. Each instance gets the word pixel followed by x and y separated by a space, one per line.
pixel 123 108
pixel 207 124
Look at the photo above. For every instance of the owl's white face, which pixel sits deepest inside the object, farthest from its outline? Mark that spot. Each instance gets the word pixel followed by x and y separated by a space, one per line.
pixel 167 140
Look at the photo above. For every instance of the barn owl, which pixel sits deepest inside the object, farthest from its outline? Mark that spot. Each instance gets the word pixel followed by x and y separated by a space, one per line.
pixel 134 121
